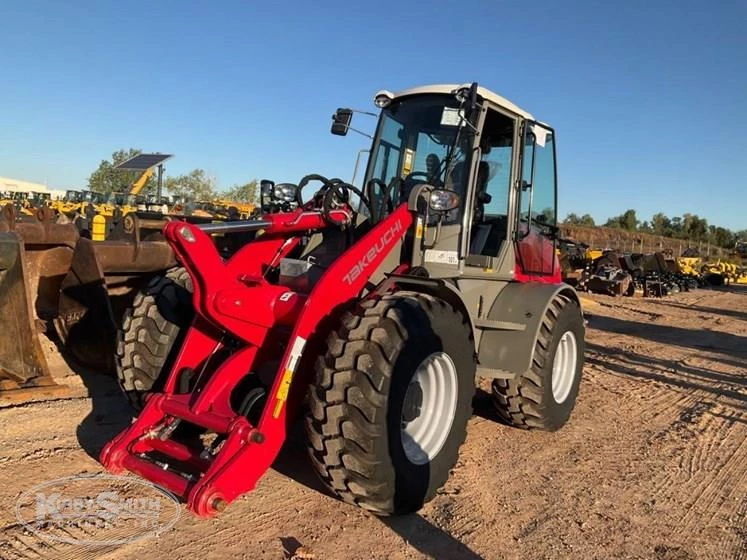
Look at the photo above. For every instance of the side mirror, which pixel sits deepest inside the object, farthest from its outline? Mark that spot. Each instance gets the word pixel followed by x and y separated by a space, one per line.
pixel 265 186
pixel 341 121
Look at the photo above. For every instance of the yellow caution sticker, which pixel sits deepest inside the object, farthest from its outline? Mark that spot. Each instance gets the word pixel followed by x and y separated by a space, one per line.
pixel 282 395
pixel 408 163
pixel 419 229
pixel 285 382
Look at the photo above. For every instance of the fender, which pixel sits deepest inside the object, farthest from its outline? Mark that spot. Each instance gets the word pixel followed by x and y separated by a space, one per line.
pixel 434 287
pixel 507 353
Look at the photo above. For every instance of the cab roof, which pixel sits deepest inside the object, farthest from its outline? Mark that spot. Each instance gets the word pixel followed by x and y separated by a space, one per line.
pixel 451 88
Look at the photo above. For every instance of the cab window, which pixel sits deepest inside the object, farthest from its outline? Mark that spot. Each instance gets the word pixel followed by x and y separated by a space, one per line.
pixel 490 213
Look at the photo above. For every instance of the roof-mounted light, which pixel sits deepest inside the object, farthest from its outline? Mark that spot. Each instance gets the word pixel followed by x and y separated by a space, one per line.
pixel 383 99
pixel 461 93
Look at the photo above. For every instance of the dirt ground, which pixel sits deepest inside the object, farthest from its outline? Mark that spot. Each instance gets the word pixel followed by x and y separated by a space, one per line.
pixel 652 465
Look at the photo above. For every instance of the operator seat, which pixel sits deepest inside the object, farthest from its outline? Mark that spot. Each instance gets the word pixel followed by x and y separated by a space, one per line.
pixel 480 230
pixel 481 195
pixel 321 250
pixel 455 182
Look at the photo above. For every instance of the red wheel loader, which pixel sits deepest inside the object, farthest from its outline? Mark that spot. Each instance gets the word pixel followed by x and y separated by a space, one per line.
pixel 370 312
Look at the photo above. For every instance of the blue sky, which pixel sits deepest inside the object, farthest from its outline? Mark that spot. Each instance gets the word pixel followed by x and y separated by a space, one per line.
pixel 649 98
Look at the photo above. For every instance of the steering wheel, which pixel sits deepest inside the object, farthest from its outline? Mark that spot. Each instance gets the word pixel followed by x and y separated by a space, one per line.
pixel 410 181
pixel 410 177
pixel 333 195
pixel 337 196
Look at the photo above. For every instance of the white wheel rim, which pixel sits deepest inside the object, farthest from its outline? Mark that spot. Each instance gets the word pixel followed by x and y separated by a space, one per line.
pixel 424 435
pixel 564 367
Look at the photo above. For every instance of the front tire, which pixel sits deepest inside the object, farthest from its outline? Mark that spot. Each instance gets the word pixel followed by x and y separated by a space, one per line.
pixel 392 398
pixel 544 396
pixel 151 334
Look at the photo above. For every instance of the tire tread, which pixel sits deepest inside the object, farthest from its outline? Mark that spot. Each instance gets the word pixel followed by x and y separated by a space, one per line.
pixel 519 401
pixel 144 342
pixel 345 425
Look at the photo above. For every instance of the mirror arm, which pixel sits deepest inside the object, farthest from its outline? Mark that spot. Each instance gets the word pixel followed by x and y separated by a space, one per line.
pixel 364 112
pixel 436 236
pixel 359 132
pixel 438 230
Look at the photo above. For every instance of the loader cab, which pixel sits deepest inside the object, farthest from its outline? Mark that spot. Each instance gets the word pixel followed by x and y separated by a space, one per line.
pixel 494 156
pixel 73 196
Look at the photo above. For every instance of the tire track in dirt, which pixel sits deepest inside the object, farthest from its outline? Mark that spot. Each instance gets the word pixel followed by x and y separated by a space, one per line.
pixel 680 452
pixel 719 477
pixel 617 369
pixel 38 454
pixel 698 434
pixel 738 524
pixel 17 542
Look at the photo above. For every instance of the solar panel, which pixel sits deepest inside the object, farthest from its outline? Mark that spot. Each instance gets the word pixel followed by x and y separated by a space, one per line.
pixel 141 162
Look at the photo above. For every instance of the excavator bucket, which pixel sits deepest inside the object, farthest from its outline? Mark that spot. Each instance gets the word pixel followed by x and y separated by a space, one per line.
pixel 24 373
pixel 55 282
pixel 21 356
pixel 85 322
pixel 35 257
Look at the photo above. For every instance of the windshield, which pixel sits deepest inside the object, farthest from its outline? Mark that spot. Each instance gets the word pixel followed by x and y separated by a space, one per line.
pixel 415 138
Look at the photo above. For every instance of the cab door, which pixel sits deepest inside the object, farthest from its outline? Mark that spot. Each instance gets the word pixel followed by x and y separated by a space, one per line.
pixel 536 230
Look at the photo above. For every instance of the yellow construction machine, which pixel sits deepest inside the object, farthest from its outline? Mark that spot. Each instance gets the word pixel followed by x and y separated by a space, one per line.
pixel 690 266
pixel 724 272
pixel 243 210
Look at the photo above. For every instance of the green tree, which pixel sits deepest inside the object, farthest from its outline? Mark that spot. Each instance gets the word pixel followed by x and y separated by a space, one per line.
pixel 106 179
pixel 725 238
pixel 661 224
pixel 613 222
pixel 676 226
pixel 243 193
pixel 693 227
pixel 627 221
pixel 195 185
pixel 576 220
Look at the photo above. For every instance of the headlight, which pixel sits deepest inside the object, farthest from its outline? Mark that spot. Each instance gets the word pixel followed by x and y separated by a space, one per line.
pixel 284 192
pixel 443 201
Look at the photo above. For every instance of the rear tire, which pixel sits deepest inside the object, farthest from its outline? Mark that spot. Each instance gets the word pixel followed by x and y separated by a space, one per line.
pixel 151 334
pixel 535 400
pixel 368 424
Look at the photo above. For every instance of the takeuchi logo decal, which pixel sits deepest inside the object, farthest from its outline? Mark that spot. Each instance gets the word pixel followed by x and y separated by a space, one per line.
pixel 381 244
pixel 96 510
